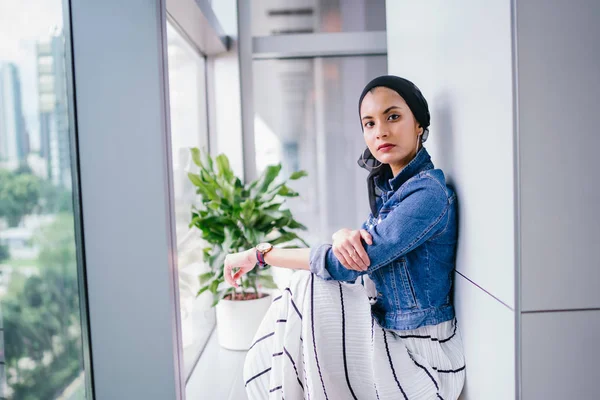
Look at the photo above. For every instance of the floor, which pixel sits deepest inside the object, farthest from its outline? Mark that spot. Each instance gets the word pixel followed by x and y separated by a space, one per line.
pixel 218 374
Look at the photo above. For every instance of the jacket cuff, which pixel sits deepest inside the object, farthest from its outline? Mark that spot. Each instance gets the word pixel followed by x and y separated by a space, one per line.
pixel 318 261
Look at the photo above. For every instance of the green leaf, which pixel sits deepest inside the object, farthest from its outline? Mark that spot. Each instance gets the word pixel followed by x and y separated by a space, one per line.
pixel 205 277
pixel 271 206
pixel 217 298
pixel 247 209
pixel 196 156
pixel 223 168
pixel 287 192
pixel 214 286
pixel 195 179
pixel 229 238
pixel 209 162
pixel 298 174
pixel 245 283
pixel 293 224
pixel 214 206
pixel 202 290
pixel 269 176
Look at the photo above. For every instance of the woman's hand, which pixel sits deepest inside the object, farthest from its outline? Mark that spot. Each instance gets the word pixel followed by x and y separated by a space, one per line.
pixel 349 250
pixel 245 261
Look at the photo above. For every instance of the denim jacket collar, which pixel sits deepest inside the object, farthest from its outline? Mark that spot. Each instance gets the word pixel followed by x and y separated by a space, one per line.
pixel 421 162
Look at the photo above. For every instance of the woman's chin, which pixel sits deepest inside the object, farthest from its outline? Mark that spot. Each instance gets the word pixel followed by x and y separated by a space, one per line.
pixel 390 158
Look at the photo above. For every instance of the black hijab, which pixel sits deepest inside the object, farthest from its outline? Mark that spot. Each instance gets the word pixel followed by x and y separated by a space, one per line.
pixel 418 106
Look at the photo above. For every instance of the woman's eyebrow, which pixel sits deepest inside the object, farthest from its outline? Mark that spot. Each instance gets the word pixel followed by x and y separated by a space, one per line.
pixel 387 110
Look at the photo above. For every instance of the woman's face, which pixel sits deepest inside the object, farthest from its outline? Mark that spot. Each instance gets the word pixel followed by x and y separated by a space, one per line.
pixel 389 127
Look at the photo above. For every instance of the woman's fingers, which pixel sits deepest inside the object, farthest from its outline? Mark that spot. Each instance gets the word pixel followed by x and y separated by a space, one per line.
pixel 237 276
pixel 349 248
pixel 366 236
pixel 227 274
pixel 342 258
pixel 357 245
pixel 354 258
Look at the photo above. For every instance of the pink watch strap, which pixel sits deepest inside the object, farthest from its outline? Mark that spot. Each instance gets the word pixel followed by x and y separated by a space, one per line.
pixel 261 259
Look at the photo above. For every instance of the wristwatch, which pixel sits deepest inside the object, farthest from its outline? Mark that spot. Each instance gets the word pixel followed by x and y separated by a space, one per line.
pixel 261 250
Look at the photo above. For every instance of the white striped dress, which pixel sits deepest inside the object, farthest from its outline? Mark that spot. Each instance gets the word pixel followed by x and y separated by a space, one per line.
pixel 319 341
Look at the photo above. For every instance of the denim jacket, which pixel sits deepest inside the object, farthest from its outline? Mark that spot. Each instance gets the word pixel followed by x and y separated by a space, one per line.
pixel 413 252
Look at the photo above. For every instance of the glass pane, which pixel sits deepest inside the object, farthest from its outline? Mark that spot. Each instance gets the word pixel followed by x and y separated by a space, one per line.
pixel 307 119
pixel 41 333
pixel 187 93
pixel 281 17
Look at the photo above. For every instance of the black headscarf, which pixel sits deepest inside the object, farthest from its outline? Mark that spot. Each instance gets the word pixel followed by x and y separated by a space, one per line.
pixel 418 106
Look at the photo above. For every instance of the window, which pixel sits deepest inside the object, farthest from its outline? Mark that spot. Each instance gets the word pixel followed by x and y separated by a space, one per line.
pixel 189 128
pixel 306 117
pixel 42 336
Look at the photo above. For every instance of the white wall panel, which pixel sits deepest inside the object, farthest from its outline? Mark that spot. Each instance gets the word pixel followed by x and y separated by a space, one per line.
pixel 488 332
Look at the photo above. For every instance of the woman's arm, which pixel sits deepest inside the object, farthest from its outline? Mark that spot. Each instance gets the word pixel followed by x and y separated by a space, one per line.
pixel 246 261
pixel 288 258
pixel 418 217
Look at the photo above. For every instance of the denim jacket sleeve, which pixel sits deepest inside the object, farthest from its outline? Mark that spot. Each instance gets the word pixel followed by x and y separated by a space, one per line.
pixel 416 217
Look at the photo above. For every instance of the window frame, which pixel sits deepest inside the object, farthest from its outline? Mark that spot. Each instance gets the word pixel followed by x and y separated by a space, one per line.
pixel 309 45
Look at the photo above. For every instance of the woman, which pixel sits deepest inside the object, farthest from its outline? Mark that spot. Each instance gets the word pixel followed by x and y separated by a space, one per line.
pixel 392 334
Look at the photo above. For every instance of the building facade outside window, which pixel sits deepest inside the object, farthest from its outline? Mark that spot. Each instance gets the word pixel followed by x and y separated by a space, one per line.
pixel 42 330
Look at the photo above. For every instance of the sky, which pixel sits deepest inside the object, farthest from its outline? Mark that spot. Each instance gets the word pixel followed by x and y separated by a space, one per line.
pixel 22 24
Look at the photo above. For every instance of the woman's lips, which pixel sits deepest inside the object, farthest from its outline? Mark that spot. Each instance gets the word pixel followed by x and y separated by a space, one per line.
pixel 386 147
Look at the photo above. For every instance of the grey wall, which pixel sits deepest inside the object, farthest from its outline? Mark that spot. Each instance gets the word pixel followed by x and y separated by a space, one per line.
pixel 558 56
pixel 122 128
pixel 460 57
pixel 559 95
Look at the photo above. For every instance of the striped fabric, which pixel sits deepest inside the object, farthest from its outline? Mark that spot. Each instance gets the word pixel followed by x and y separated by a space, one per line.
pixel 319 341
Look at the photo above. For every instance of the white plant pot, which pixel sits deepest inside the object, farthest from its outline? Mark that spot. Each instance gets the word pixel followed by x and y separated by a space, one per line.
pixel 238 321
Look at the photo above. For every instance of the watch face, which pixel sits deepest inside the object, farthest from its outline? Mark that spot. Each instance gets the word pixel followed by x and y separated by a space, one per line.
pixel 263 247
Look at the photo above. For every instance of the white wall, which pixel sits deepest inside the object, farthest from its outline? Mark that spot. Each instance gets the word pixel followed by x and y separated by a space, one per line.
pixel 460 55
pixel 475 71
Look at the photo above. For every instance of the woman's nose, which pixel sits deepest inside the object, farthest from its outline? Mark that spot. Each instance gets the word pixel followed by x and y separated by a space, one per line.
pixel 382 133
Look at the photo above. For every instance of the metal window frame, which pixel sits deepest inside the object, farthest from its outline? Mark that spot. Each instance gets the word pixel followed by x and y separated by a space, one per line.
pixel 340 44
pixel 245 55
pixel 199 346
pixel 77 203
pixel 197 21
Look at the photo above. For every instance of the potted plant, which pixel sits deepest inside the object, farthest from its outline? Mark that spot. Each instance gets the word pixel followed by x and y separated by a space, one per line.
pixel 232 217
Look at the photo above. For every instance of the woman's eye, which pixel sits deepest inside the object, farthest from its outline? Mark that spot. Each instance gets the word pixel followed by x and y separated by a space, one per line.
pixel 393 117
pixel 369 124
